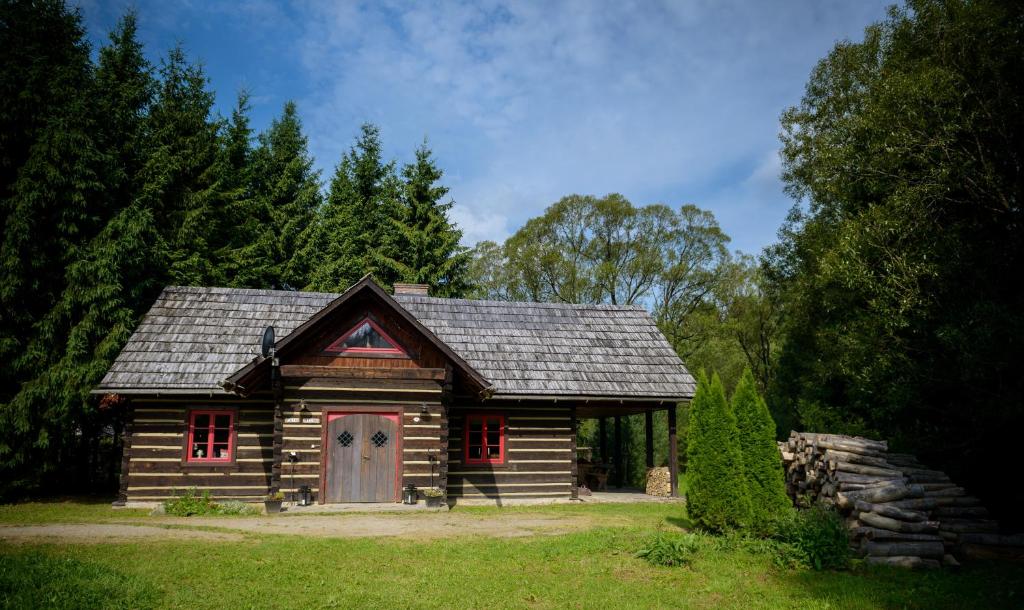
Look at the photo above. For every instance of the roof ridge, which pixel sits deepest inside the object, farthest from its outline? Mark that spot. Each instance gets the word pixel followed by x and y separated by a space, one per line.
pixel 544 304
pixel 253 291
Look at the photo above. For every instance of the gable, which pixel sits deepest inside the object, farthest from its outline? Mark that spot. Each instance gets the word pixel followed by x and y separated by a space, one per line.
pixel 320 342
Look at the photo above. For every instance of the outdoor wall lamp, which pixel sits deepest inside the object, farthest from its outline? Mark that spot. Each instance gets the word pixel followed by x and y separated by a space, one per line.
pixel 424 413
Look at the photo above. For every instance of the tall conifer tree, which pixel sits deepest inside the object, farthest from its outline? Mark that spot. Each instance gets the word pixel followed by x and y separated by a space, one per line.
pixel 51 417
pixel 287 194
pixel 716 495
pixel 426 249
pixel 762 463
pixel 355 230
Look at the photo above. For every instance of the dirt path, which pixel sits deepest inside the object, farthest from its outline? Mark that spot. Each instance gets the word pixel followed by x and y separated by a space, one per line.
pixel 437 525
pixel 105 532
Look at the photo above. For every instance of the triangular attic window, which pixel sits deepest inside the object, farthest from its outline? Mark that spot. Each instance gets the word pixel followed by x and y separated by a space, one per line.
pixel 365 337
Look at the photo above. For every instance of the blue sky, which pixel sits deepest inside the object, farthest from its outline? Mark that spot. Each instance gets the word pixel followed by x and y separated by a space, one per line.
pixel 524 102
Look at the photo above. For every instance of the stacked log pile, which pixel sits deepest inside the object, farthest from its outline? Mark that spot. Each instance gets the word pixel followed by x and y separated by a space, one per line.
pixel 899 512
pixel 659 482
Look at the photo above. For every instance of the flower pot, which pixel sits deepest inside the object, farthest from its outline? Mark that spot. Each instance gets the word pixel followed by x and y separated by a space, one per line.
pixel 272 506
pixel 434 501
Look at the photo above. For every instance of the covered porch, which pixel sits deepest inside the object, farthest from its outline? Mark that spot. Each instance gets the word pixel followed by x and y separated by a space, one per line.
pixel 602 468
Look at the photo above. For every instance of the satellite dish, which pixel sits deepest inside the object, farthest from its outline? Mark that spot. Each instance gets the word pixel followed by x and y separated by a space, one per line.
pixel 267 344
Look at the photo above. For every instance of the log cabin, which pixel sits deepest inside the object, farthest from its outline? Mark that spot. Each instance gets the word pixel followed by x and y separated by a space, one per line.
pixel 364 393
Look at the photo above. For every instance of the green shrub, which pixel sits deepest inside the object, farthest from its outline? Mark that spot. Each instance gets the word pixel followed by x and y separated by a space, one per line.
pixel 190 503
pixel 716 496
pixel 193 503
pixel 234 507
pixel 762 462
pixel 815 538
pixel 670 549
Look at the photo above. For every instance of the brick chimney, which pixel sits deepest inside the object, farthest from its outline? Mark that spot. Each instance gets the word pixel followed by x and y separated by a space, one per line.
pixel 417 289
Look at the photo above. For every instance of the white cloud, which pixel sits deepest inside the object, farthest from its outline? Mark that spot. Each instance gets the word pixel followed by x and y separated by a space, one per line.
pixel 527 101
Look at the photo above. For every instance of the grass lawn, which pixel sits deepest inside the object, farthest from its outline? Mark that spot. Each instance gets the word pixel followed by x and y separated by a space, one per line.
pixel 592 568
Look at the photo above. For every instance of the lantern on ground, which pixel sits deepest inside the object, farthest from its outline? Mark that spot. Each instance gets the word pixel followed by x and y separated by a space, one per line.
pixel 409 496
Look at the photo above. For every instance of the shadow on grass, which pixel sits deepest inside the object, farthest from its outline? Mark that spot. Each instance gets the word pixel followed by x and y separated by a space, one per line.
pixel 980 584
pixel 682 523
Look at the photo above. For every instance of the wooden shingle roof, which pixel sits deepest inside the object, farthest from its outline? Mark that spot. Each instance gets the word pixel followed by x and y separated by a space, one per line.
pixel 557 349
pixel 192 339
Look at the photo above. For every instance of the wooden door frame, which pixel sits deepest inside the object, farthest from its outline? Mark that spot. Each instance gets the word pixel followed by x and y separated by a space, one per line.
pixel 325 414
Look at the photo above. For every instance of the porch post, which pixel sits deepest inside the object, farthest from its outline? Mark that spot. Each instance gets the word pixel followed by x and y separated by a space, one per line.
pixel 575 472
pixel 602 433
pixel 126 455
pixel 673 452
pixel 649 437
pixel 617 451
pixel 277 442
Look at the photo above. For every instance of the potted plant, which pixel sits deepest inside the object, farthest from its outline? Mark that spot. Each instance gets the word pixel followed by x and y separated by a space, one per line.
pixel 273 502
pixel 433 496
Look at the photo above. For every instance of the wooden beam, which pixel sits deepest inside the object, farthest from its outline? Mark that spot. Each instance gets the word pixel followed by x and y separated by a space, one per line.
pixel 617 452
pixel 575 493
pixel 673 454
pixel 649 438
pixel 602 434
pixel 302 370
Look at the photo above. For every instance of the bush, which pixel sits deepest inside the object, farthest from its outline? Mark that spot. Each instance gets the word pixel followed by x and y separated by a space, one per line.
pixel 815 538
pixel 194 503
pixel 670 550
pixel 762 462
pixel 716 496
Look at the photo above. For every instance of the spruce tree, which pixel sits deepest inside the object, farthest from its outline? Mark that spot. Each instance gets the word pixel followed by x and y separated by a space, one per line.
pixel 51 418
pixel 355 231
pixel 716 496
pixel 286 189
pixel 180 179
pixel 762 463
pixel 239 254
pixel 427 249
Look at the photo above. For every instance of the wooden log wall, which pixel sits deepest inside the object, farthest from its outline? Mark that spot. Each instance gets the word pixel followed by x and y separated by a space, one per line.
pixel 159 432
pixel 539 454
pixel 420 440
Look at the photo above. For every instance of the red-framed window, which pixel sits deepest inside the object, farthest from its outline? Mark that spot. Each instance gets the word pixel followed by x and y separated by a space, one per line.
pixel 211 436
pixel 484 441
pixel 366 337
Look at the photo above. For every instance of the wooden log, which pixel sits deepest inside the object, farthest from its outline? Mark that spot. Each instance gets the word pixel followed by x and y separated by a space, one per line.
pixel 945 493
pixel 915 503
pixel 961 511
pixel 895 525
pixel 969 526
pixel 956 501
pixel 910 562
pixel 993 539
pixel 928 550
pixel 934 486
pixel 878 495
pixel 856 441
pixel 887 510
pixel 875 533
pixel 834 455
pixel 849 477
pixel 887 473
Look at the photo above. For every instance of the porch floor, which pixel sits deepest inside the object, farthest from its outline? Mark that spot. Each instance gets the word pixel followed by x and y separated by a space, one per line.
pixel 625 495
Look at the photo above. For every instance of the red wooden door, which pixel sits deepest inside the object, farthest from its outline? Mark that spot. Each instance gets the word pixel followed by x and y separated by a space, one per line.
pixel 361 458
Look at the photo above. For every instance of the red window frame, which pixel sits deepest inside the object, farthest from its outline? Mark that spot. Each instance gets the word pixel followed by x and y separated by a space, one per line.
pixel 336 347
pixel 206 459
pixel 483 418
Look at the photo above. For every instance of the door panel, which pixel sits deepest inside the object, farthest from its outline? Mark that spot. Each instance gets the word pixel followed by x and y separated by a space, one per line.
pixel 361 462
